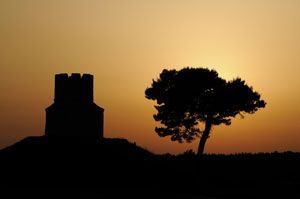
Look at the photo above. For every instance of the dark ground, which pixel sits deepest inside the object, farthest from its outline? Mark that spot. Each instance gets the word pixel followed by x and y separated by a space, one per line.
pixel 64 167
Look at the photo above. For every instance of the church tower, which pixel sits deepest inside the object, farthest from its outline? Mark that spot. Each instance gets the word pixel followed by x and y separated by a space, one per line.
pixel 74 112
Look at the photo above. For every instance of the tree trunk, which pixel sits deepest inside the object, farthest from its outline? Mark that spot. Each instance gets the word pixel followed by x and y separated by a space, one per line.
pixel 204 137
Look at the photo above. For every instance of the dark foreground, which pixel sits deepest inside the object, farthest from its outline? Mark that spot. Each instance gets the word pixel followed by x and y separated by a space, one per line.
pixel 46 167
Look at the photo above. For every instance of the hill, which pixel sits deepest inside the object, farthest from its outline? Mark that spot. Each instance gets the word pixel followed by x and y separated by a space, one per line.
pixel 70 166
pixel 80 167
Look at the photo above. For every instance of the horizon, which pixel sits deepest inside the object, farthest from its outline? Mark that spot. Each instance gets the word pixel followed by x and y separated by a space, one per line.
pixel 126 44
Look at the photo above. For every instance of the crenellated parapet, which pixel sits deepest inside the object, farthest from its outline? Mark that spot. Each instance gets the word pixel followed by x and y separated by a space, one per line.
pixel 74 88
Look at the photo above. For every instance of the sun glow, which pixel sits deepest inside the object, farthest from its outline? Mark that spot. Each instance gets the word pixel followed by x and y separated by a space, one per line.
pixel 125 44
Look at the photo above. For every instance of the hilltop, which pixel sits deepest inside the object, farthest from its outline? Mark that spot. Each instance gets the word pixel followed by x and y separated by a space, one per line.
pixel 81 167
pixel 70 165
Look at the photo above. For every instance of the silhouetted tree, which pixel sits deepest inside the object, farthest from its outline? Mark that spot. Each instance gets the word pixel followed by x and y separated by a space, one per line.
pixel 193 95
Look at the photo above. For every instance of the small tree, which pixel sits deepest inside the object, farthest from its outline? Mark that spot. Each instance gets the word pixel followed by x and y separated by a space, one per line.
pixel 187 97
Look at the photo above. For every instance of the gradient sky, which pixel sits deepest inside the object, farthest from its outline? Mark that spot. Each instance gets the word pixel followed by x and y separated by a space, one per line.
pixel 126 43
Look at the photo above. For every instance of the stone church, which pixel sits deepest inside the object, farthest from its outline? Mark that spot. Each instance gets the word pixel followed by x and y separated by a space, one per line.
pixel 74 112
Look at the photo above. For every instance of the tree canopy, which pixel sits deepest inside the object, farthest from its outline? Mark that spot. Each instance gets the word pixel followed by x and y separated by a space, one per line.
pixel 187 97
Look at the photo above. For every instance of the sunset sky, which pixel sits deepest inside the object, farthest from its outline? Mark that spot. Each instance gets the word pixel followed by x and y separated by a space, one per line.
pixel 127 43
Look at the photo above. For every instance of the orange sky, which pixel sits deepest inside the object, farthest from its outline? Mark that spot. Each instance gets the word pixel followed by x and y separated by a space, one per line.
pixel 126 43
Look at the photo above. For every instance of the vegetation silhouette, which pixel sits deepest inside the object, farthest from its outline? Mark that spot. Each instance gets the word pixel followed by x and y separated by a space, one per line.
pixel 84 166
pixel 193 95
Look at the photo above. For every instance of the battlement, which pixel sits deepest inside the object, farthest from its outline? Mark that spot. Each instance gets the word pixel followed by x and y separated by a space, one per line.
pixel 74 88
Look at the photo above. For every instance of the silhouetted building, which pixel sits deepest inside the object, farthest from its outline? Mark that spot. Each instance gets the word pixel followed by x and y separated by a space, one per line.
pixel 74 112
